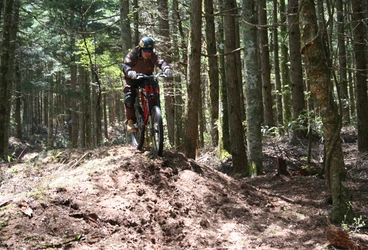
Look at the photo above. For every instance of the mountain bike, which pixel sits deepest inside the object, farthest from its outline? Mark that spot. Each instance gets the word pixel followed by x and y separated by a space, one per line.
pixel 148 112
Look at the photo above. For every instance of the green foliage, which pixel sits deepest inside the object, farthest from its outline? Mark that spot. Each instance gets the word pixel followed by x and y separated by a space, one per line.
pixel 271 131
pixel 5 221
pixel 104 62
pixel 355 226
pixel 308 118
pixel 223 155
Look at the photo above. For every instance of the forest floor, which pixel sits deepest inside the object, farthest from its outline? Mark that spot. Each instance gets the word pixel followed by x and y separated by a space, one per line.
pixel 116 197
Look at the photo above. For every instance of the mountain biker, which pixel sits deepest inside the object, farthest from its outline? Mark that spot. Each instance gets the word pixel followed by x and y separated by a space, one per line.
pixel 141 59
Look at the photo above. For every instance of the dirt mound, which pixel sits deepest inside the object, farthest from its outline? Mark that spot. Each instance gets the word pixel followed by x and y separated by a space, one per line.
pixel 120 198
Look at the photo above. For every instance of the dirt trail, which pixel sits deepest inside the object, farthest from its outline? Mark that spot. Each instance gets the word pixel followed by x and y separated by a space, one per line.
pixel 109 198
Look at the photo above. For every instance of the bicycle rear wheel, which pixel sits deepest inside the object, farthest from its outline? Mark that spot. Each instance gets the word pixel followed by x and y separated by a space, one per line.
pixel 138 136
pixel 157 130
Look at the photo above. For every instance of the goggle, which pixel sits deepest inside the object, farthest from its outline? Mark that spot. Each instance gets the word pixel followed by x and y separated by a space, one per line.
pixel 147 50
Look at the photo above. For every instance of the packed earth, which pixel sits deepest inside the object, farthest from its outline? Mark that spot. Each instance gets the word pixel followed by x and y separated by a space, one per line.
pixel 117 197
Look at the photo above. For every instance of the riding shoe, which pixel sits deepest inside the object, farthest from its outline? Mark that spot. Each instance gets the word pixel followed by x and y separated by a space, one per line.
pixel 131 127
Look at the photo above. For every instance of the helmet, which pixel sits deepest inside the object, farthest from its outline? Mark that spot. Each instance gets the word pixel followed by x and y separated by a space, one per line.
pixel 146 43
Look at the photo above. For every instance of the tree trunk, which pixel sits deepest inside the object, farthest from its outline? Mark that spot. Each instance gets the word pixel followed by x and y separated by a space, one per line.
pixel 285 72
pixel 213 72
pixel 50 110
pixel 279 107
pixel 265 65
pixel 343 83
pixel 297 87
pixel 202 114
pixel 253 89
pixel 194 79
pixel 104 109
pixel 74 114
pixel 11 62
pixel 126 33
pixel 359 42
pixel 321 88
pixel 84 121
pixel 168 86
pixel 18 102
pixel 73 87
pixel 232 82
pixel 224 134
pixel 88 100
pixel 178 56
pixel 5 77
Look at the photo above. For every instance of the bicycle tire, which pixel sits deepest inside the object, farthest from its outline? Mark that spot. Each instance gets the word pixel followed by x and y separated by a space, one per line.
pixel 157 130
pixel 138 136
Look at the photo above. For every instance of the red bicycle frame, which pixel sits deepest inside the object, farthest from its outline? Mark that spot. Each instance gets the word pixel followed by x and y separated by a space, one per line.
pixel 149 92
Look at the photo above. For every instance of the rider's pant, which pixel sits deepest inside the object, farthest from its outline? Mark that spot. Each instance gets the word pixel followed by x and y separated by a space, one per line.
pixel 129 100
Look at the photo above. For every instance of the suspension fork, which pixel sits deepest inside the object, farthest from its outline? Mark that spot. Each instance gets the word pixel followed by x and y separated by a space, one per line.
pixel 148 110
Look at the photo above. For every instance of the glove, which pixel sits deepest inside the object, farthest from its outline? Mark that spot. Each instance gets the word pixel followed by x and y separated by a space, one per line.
pixel 132 74
pixel 168 72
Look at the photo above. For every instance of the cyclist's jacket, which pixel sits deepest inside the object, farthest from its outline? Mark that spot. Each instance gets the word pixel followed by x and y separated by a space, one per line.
pixel 135 61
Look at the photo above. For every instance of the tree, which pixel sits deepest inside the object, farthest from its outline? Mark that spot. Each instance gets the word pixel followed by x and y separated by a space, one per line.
pixel 343 81
pixel 194 79
pixel 278 87
pixel 285 70
pixel 126 32
pixel 253 89
pixel 164 33
pixel 213 72
pixel 296 75
pixel 360 71
pixel 178 56
pixel 224 132
pixel 321 87
pixel 5 78
pixel 232 83
pixel 265 65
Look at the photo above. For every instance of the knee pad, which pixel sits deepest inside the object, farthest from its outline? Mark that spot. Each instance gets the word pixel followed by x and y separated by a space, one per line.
pixel 129 100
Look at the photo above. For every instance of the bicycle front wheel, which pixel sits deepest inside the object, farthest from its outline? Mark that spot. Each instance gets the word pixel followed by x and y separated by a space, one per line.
pixel 157 130
pixel 138 135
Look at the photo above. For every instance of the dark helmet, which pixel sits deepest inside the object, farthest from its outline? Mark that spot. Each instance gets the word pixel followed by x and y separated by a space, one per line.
pixel 146 43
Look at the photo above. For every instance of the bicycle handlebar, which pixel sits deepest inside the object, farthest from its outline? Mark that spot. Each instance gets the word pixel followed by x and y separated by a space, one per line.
pixel 143 76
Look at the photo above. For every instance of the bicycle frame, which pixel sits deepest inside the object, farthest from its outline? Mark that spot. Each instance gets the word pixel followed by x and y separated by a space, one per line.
pixel 149 95
pixel 148 112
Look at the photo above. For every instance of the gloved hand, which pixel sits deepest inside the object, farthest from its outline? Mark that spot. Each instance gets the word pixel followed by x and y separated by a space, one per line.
pixel 132 74
pixel 168 72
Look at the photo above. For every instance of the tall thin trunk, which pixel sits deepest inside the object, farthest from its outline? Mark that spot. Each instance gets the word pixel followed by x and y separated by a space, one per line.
pixel 164 48
pixel 178 90
pixel 321 87
pixel 126 33
pixel 201 114
pixel 224 135
pixel 50 115
pixel 285 72
pixel 279 107
pixel 297 85
pixel 238 151
pixel 265 65
pixel 18 103
pixel 343 82
pixel 73 87
pixel 193 77
pixel 359 29
pixel 5 78
pixel 136 22
pixel 213 73
pixel 104 110
pixel 253 89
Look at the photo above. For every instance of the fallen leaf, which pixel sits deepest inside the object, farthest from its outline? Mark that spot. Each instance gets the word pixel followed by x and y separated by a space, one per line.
pixel 26 209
